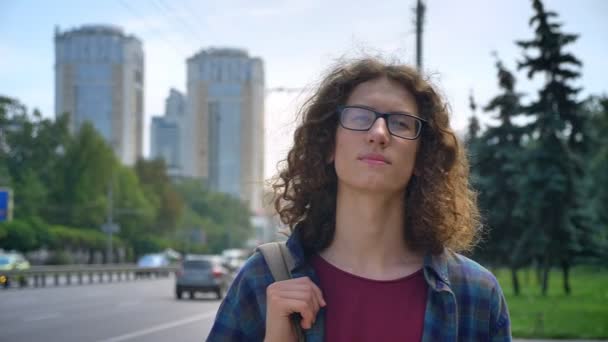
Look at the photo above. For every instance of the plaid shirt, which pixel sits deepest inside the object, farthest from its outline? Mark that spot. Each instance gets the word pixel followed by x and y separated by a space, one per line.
pixel 465 301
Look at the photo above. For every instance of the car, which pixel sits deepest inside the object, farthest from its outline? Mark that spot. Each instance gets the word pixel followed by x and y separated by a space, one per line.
pixel 12 261
pixel 149 261
pixel 201 273
pixel 235 258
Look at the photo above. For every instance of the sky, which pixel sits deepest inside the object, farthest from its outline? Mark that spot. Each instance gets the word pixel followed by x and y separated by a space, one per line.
pixel 298 41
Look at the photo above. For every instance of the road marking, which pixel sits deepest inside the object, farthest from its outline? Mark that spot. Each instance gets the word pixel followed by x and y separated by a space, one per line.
pixel 160 327
pixel 42 317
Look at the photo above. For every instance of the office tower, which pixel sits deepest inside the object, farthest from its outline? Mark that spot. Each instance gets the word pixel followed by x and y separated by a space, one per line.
pixel 99 77
pixel 166 138
pixel 225 124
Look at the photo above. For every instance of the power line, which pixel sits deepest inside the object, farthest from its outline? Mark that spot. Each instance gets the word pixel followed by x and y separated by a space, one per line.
pixel 185 23
pixel 192 12
pixel 174 47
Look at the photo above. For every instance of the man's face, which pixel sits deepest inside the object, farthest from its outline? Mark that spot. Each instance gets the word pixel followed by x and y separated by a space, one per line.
pixel 374 160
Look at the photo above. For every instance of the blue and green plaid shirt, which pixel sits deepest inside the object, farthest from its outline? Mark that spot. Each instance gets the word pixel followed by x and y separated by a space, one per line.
pixel 465 301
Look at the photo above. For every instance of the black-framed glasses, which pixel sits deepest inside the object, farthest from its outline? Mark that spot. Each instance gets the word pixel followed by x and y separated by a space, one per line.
pixel 360 118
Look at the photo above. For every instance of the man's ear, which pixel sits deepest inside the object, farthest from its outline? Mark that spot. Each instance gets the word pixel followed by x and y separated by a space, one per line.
pixel 330 158
pixel 417 171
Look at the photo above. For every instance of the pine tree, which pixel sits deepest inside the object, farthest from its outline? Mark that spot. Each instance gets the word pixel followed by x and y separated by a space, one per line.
pixel 552 169
pixel 498 167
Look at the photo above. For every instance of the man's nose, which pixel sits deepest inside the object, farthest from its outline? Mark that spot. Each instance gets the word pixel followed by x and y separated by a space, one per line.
pixel 379 133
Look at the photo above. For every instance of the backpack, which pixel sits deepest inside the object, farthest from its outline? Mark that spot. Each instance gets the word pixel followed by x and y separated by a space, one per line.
pixel 280 261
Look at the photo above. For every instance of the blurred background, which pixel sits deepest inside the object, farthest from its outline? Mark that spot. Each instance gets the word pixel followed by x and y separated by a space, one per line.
pixel 137 139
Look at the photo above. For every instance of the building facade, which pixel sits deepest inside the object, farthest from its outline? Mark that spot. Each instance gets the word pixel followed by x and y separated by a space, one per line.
pixel 166 138
pixel 99 77
pixel 225 122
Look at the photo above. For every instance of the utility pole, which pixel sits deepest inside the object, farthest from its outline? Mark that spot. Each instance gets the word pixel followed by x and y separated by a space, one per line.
pixel 109 227
pixel 109 222
pixel 420 11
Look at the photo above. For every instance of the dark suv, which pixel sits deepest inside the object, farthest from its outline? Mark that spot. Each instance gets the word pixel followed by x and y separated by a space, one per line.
pixel 201 273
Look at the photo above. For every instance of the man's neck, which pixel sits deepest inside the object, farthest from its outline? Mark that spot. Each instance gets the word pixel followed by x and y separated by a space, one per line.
pixel 369 238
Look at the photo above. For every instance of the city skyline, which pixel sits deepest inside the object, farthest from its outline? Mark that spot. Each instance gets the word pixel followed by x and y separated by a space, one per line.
pixel 298 41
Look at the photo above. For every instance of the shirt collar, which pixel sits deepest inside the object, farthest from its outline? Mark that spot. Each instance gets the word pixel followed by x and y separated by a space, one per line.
pixel 435 265
pixel 436 270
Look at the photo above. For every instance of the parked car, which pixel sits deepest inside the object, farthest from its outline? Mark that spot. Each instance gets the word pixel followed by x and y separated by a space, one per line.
pixel 12 262
pixel 235 258
pixel 202 273
pixel 148 261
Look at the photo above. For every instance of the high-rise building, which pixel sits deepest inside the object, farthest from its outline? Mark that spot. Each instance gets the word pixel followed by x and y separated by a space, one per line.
pixel 225 124
pixel 167 134
pixel 99 77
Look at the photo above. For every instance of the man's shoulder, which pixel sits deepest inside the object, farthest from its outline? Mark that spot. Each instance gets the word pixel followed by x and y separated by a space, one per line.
pixel 465 273
pixel 241 315
pixel 254 274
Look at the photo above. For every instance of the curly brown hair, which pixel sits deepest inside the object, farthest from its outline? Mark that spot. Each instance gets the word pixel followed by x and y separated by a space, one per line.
pixel 441 207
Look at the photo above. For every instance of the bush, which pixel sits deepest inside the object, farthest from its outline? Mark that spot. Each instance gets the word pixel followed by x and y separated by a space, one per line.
pixel 61 257
pixel 18 235
pixel 62 237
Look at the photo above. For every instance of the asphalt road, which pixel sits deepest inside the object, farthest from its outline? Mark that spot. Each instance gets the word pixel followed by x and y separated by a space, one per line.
pixel 143 310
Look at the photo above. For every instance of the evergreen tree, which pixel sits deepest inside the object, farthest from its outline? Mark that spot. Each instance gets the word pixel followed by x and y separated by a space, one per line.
pixel 597 182
pixel 498 167
pixel 551 193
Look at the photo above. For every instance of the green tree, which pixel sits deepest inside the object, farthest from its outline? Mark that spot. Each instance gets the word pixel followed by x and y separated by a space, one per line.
pixel 224 219
pixel 161 193
pixel 498 169
pixel 84 174
pixel 597 109
pixel 29 151
pixel 552 170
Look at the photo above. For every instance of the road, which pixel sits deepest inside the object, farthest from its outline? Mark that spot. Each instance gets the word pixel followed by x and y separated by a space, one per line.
pixel 144 310
pixel 136 311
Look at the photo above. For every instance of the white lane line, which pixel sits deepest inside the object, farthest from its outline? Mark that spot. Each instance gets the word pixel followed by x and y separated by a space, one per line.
pixel 160 327
pixel 42 317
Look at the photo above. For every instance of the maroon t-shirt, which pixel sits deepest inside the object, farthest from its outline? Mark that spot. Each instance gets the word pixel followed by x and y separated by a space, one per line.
pixel 361 309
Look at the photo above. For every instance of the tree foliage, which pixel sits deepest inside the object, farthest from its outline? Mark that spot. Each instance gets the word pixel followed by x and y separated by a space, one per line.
pixel 534 179
pixel 67 184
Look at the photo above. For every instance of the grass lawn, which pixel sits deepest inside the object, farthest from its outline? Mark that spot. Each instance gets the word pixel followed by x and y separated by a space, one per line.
pixel 583 314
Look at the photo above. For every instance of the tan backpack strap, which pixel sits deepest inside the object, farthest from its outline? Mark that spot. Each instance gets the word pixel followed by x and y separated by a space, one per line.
pixel 280 261
pixel 274 256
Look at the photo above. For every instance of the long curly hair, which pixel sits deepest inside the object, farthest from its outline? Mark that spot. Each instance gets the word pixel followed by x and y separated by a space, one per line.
pixel 441 207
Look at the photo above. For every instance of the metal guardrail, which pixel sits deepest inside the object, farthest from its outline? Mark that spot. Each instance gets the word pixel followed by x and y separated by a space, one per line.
pixel 41 276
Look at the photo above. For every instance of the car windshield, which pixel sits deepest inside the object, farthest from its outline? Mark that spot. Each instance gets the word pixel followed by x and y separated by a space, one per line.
pixel 150 258
pixel 4 260
pixel 198 264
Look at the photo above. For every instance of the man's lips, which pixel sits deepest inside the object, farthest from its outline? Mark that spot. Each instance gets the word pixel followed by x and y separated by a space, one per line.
pixel 374 158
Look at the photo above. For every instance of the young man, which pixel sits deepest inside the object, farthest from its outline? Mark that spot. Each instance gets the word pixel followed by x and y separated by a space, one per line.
pixel 377 197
